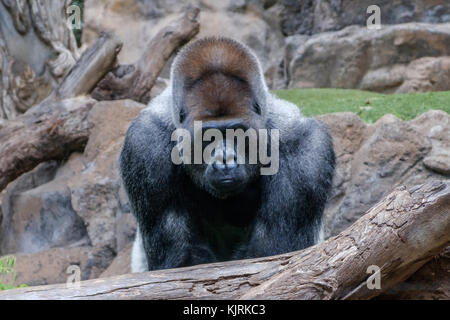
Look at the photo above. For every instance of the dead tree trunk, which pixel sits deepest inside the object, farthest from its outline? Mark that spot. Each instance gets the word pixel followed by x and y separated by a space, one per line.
pixel 54 128
pixel 135 81
pixel 400 234
pixel 37 49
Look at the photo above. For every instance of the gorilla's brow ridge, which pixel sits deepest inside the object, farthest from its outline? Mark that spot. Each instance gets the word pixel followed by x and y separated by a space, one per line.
pixel 191 83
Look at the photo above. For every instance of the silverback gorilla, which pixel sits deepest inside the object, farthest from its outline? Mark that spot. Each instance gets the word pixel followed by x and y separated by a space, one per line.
pixel 192 213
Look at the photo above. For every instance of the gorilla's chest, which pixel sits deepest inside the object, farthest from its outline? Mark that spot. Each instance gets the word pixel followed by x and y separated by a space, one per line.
pixel 225 224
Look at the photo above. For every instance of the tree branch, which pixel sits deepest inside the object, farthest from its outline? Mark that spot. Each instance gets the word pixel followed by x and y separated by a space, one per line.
pixel 93 65
pixel 400 234
pixel 56 127
pixel 135 81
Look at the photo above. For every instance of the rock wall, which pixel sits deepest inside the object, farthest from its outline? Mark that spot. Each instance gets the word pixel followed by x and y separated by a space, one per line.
pixel 401 58
pixel 316 16
pixel 303 44
pixel 78 205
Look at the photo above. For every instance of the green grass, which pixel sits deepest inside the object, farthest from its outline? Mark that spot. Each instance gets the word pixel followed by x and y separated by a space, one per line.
pixel 369 106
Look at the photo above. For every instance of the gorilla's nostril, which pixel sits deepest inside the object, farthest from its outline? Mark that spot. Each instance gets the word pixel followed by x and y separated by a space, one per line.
pixel 231 165
pixel 218 165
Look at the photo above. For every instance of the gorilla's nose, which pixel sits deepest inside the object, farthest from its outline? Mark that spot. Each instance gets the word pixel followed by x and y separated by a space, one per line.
pixel 224 167
pixel 225 161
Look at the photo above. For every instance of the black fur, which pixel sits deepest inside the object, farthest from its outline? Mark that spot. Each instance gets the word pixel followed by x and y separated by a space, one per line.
pixel 182 224
pixel 276 214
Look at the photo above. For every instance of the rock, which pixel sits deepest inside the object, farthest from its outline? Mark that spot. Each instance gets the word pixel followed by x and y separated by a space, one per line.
pixel 347 130
pixel 426 74
pixel 311 17
pixel 49 267
pixel 372 160
pixel 43 218
pixel 120 265
pixel 79 203
pixel 409 57
pixel 435 124
pixel 38 215
pixel 439 163
pixel 95 190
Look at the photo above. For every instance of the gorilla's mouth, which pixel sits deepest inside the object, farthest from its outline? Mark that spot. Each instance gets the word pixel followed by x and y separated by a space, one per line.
pixel 227 186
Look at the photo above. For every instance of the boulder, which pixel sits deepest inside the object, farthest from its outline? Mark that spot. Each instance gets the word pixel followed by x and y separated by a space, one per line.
pixel 426 74
pixel 373 159
pixel 399 58
pixel 95 188
pixel 315 16
pixel 38 215
pixel 50 266
pixel 120 264
pixel 435 124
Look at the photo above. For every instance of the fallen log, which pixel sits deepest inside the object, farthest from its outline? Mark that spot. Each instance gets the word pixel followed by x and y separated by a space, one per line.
pixel 135 81
pixel 54 128
pixel 399 235
pixel 93 65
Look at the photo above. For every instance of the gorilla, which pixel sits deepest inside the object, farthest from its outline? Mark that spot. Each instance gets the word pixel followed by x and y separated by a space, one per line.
pixel 192 213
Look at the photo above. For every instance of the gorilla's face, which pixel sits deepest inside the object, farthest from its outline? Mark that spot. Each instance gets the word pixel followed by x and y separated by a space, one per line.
pixel 222 175
pixel 226 109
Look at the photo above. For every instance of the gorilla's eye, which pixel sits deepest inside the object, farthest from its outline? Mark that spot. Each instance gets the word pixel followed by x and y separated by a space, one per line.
pixel 256 107
pixel 182 115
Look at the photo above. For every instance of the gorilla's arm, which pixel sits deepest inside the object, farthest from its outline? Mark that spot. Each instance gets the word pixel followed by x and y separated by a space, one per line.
pixel 153 187
pixel 293 200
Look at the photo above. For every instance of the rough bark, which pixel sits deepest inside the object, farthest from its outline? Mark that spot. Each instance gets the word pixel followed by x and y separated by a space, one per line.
pixel 93 65
pixel 54 128
pixel 135 81
pixel 37 49
pixel 400 234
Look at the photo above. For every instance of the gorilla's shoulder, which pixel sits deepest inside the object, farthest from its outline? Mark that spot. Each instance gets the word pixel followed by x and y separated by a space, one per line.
pixel 147 147
pixel 286 117
pixel 153 127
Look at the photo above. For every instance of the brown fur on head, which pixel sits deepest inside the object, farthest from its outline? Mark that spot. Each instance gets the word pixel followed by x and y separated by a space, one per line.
pixel 217 79
pixel 218 97
pixel 215 55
